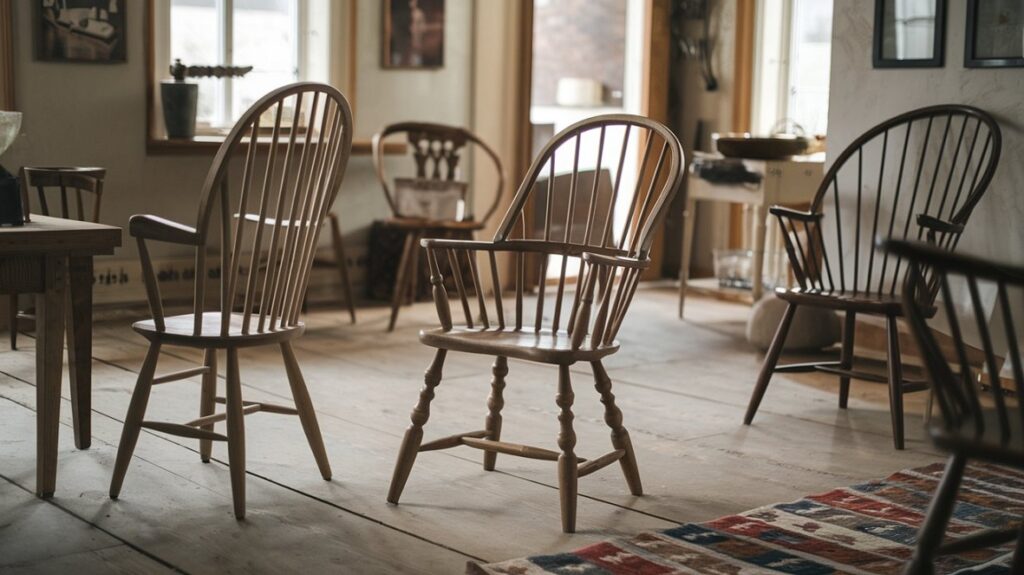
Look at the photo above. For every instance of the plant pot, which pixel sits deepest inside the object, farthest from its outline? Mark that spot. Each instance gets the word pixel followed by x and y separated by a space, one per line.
pixel 179 102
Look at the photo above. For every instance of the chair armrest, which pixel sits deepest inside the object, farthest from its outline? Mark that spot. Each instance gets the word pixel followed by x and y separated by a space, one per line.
pixel 618 261
pixel 937 225
pixel 794 214
pixel 435 243
pixel 162 230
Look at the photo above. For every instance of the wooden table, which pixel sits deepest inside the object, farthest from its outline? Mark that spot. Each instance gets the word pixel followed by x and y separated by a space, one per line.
pixel 790 182
pixel 43 257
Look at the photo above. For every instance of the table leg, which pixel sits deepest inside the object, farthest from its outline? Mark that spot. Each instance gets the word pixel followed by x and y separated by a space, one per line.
pixel 757 272
pixel 49 356
pixel 79 328
pixel 687 249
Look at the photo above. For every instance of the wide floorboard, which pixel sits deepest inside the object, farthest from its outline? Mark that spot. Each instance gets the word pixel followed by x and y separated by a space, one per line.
pixel 682 387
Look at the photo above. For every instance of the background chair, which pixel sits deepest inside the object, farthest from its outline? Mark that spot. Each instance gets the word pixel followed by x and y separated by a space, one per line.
pixel 918 175
pixel 288 184
pixel 81 195
pixel 977 421
pixel 438 153
pixel 561 327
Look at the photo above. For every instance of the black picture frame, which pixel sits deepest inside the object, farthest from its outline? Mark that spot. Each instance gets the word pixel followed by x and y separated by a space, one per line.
pixel 102 41
pixel 971 59
pixel 938 59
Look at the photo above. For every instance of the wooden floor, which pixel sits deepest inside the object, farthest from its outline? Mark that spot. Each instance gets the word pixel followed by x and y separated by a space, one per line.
pixel 682 386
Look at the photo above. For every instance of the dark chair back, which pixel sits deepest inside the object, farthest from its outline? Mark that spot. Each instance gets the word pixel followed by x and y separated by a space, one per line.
pixel 438 152
pixel 917 175
pixel 81 191
pixel 972 398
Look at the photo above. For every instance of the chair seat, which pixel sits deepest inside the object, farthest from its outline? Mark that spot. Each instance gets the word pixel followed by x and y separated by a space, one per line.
pixel 179 330
pixel 988 445
pixel 540 346
pixel 406 223
pixel 867 302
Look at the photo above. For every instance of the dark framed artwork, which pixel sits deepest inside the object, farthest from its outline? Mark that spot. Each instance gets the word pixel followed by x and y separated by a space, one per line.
pixel 995 34
pixel 909 34
pixel 413 34
pixel 80 30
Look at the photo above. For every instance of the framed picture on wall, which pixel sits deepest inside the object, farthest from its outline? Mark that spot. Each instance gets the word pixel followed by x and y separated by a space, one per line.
pixel 80 30
pixel 413 34
pixel 909 34
pixel 995 34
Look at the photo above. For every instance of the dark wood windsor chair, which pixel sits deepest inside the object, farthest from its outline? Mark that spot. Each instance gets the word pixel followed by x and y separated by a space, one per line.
pixel 265 268
pixel 438 151
pixel 917 175
pixel 977 421
pixel 562 327
pixel 79 187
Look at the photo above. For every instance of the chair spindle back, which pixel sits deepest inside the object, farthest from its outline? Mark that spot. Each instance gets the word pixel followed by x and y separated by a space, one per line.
pixel 934 162
pixel 437 151
pixel 955 382
pixel 293 146
pixel 608 230
pixel 78 188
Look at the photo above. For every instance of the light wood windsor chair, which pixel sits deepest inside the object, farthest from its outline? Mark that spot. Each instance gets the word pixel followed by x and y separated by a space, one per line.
pixel 79 187
pixel 563 327
pixel 977 421
pixel 265 268
pixel 438 150
pixel 917 175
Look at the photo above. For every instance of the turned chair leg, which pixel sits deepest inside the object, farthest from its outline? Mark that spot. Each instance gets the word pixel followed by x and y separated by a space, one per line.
pixel 568 464
pixel 401 277
pixel 236 433
pixel 304 405
pixel 939 512
pixel 895 382
pixel 494 404
pixel 12 306
pixel 770 360
pixel 414 435
pixel 207 400
pixel 620 437
pixel 846 357
pixel 133 420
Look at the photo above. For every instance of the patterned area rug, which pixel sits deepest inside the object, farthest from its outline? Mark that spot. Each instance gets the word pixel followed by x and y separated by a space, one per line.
pixel 866 528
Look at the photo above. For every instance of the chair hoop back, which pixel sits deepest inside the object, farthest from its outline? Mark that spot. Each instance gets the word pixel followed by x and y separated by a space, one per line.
pixel 917 175
pixel 615 219
pixel 437 150
pixel 967 381
pixel 293 146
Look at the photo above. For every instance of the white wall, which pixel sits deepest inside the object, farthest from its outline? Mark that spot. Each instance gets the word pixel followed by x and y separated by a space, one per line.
pixel 79 114
pixel 861 97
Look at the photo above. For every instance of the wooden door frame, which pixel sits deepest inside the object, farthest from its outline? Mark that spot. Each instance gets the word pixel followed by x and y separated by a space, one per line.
pixel 742 96
pixel 654 93
pixel 6 56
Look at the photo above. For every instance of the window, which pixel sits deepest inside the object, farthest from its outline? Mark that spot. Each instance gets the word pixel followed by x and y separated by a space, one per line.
pixel 283 40
pixel 791 78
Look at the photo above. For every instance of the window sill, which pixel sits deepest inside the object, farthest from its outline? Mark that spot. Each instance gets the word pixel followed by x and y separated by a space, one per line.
pixel 208 145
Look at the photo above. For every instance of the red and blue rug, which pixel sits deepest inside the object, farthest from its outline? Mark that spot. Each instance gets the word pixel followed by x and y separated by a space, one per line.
pixel 869 528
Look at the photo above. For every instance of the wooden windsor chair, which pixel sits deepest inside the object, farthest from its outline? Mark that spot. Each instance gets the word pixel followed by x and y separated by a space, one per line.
pixel 917 175
pixel 977 421
pixel 610 244
pixel 265 268
pixel 81 194
pixel 438 152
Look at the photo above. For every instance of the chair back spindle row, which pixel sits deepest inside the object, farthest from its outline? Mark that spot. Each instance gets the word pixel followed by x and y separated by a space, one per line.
pixel 293 146
pixel 603 237
pixel 964 391
pixel 932 162
pixel 78 187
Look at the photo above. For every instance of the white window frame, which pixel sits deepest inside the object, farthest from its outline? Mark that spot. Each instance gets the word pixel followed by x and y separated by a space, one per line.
pixel 772 61
pixel 321 26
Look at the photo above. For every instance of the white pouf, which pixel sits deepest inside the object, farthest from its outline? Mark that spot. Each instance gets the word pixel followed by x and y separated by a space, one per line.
pixel 812 328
